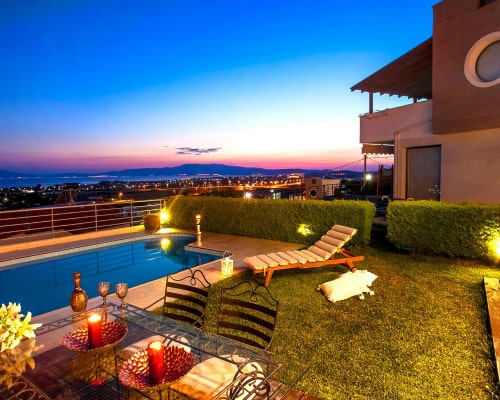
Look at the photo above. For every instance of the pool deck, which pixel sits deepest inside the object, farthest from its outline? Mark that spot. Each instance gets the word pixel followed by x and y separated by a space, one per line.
pixel 145 294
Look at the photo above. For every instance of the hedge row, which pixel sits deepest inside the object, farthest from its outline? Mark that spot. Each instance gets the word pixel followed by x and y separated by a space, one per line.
pixel 294 221
pixel 453 229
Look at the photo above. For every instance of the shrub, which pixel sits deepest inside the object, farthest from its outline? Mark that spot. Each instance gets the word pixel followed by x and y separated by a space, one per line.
pixel 294 221
pixel 453 229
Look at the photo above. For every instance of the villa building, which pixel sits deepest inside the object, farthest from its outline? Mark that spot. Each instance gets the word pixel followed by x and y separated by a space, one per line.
pixel 446 144
pixel 317 188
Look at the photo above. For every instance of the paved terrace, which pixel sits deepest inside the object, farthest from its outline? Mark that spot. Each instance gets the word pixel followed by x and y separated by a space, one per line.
pixel 143 295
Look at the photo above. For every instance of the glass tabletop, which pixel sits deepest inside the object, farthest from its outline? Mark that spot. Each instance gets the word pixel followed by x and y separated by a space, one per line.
pixel 221 368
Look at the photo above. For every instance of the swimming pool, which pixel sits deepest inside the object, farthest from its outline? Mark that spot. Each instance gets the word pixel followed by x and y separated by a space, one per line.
pixel 45 285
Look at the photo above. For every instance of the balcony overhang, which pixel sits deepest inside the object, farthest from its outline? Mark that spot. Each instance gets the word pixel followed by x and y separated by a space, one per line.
pixel 370 148
pixel 408 76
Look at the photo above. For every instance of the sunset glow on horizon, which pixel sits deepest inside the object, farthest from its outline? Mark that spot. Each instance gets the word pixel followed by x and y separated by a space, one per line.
pixel 95 86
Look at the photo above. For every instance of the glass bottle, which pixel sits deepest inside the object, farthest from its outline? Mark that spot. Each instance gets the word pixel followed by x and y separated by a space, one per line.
pixel 78 299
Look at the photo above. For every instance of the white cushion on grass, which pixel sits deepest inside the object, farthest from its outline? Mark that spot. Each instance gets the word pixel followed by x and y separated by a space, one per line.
pixel 348 285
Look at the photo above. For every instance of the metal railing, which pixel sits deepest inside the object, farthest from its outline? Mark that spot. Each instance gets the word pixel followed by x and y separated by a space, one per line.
pixel 51 222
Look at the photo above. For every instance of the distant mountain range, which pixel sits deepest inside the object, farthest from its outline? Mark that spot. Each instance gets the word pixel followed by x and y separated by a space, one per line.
pixel 10 174
pixel 193 170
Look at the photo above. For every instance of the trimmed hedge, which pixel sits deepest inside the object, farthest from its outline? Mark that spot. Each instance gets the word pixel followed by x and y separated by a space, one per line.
pixel 453 229
pixel 282 220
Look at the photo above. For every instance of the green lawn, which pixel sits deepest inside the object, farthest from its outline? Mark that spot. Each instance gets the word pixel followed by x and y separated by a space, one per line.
pixel 423 335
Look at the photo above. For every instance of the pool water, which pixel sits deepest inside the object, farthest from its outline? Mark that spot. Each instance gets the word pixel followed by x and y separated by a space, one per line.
pixel 46 285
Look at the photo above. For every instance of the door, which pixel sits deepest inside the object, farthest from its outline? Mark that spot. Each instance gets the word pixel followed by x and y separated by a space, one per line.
pixel 423 178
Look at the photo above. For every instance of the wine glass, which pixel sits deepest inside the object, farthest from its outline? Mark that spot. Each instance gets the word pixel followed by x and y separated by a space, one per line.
pixel 121 290
pixel 103 290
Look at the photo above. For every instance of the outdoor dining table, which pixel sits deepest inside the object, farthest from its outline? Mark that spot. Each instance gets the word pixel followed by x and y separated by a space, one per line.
pixel 62 372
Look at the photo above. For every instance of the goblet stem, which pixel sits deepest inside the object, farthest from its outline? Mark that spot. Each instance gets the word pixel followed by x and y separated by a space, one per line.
pixel 121 290
pixel 103 289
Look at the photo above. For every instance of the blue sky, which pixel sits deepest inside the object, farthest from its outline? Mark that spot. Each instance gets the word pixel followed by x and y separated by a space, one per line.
pixel 92 86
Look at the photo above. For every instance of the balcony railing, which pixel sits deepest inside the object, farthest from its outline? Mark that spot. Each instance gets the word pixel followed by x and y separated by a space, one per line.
pixel 51 222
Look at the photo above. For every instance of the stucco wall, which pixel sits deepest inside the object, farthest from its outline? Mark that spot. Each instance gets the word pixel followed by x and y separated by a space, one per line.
pixel 380 126
pixel 459 106
pixel 469 164
pixel 472 162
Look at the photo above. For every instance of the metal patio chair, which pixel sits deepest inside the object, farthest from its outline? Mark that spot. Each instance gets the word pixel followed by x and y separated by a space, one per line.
pixel 185 298
pixel 248 314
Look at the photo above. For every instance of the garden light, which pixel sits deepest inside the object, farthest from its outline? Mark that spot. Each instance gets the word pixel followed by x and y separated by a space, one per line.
pixel 304 230
pixel 164 217
pixel 197 219
pixel 226 264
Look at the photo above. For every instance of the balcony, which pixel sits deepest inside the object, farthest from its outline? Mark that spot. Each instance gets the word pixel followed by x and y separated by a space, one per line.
pixel 380 127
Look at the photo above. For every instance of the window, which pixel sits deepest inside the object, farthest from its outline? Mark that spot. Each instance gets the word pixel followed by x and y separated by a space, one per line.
pixel 488 63
pixel 482 66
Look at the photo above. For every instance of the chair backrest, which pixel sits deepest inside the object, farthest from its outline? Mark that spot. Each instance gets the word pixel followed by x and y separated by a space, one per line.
pixel 186 296
pixel 248 314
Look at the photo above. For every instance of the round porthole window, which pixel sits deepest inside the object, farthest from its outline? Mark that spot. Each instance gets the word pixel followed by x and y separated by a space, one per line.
pixel 313 193
pixel 482 64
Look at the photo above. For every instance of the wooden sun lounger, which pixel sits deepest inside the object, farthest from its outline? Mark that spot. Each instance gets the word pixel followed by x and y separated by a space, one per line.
pixel 320 254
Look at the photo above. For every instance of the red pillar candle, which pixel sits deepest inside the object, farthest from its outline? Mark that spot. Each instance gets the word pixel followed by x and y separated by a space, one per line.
pixel 156 354
pixel 94 324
